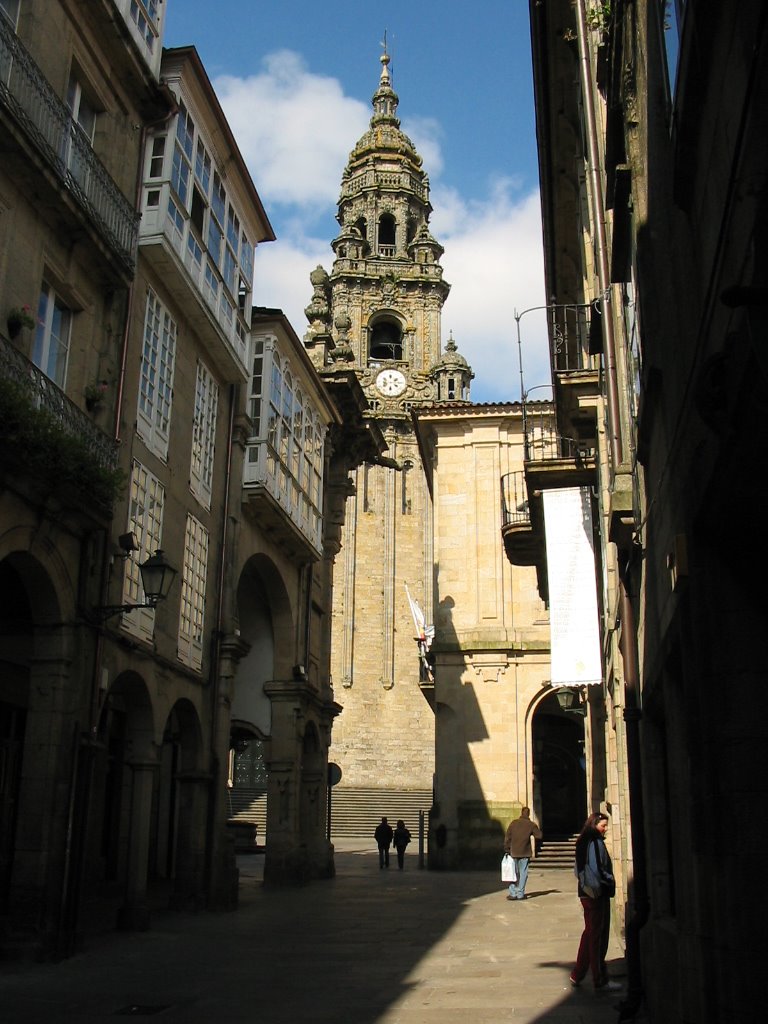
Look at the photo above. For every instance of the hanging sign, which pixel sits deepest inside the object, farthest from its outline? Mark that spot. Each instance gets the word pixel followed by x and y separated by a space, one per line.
pixel 573 616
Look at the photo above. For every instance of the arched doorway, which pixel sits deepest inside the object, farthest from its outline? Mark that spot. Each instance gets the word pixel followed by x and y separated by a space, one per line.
pixel 559 771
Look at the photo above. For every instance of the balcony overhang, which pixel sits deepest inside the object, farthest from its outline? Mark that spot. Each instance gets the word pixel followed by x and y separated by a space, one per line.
pixel 577 398
pixel 160 255
pixel 621 512
pixel 273 521
pixel 579 470
pixel 523 545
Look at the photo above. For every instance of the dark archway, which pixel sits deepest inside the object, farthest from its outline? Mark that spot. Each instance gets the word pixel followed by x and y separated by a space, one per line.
pixel 386 340
pixel 559 784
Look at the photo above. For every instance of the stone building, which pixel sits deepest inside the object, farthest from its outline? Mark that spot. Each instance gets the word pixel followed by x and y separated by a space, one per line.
pixel 502 740
pixel 651 125
pixel 379 311
pixel 152 423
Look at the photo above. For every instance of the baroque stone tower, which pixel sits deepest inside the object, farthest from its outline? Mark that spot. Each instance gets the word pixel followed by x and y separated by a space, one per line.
pixel 378 315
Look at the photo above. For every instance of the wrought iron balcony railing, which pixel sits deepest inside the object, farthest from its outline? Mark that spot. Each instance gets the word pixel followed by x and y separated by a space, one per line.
pixel 43 394
pixel 48 123
pixel 574 332
pixel 514 500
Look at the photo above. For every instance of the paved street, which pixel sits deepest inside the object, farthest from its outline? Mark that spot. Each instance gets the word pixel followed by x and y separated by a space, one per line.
pixel 369 947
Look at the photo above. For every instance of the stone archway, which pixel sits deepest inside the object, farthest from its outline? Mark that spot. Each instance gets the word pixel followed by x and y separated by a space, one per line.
pixel 125 779
pixel 266 639
pixel 179 809
pixel 44 702
pixel 559 773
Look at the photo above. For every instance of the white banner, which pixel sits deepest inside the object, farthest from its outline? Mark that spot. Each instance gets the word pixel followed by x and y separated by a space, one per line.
pixel 573 617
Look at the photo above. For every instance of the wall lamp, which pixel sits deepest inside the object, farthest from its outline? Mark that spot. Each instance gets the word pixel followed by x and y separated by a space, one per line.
pixel 571 700
pixel 157 577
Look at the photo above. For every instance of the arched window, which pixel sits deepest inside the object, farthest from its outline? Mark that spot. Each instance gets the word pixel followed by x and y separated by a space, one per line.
pixel 386 340
pixel 386 235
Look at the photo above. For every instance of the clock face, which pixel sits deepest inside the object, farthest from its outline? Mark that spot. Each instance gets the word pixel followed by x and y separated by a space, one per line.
pixel 391 383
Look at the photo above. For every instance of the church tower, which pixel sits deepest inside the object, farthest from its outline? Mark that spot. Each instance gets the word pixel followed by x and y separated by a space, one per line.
pixel 378 315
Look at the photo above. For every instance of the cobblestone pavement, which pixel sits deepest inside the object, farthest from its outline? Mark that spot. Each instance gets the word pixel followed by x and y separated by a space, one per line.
pixel 368 947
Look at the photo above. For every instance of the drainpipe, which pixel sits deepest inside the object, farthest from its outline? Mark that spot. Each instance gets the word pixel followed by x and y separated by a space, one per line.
pixel 632 716
pixel 598 217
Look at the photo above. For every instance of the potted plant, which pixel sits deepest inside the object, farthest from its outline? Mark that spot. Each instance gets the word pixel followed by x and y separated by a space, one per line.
pixel 18 317
pixel 94 394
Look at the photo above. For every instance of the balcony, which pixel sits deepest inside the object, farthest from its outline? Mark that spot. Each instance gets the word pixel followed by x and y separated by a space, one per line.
pixel 274 498
pixel 169 245
pixel 48 443
pixel 40 121
pixel 550 461
pixel 521 543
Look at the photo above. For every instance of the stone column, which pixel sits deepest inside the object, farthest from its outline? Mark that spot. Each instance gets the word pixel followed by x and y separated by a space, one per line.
pixel 223 873
pixel 189 875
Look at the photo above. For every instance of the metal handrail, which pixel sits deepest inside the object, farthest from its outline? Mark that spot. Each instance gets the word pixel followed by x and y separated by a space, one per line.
pixel 48 123
pixel 43 394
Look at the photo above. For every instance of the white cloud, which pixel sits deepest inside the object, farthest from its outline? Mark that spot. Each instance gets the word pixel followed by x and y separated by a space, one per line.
pixel 493 261
pixel 295 129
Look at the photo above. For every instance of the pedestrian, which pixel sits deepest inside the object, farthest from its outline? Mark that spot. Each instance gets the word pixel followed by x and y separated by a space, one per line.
pixel 401 838
pixel 383 836
pixel 594 871
pixel 517 843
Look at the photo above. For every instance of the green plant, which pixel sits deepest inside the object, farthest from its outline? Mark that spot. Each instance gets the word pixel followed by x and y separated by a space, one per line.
pixel 33 442
pixel 599 15
pixel 94 393
pixel 21 316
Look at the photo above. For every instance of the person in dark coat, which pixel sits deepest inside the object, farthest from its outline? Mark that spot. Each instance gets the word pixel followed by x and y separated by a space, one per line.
pixel 594 871
pixel 401 838
pixel 517 843
pixel 383 836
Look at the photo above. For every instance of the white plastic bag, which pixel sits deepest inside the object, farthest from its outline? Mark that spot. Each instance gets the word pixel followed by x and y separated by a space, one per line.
pixel 508 871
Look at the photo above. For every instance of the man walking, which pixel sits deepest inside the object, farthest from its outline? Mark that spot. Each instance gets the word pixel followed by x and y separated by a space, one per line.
pixel 383 836
pixel 517 843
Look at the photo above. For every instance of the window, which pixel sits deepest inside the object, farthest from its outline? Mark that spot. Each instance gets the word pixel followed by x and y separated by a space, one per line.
pixel 157 157
pixel 78 156
pixel 193 580
pixel 387 235
pixel 204 435
pixel 51 347
pixel 203 168
pixel 145 522
pixel 10 8
pixel 156 377
pixel 146 17
pixel 254 400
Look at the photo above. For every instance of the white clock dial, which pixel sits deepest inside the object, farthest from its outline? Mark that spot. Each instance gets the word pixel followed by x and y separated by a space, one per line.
pixel 391 383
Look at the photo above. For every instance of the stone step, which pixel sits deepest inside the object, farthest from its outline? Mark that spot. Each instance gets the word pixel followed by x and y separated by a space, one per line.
pixel 556 853
pixel 355 813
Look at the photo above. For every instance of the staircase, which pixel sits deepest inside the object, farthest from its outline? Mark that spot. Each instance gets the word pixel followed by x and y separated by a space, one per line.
pixel 558 852
pixel 355 813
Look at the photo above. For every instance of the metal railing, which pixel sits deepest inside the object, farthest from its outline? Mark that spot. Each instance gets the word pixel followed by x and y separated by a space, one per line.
pixel 48 123
pixel 43 394
pixel 570 330
pixel 514 500
pixel 543 443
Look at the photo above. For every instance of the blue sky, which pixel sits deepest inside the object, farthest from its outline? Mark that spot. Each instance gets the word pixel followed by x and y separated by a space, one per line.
pixel 295 80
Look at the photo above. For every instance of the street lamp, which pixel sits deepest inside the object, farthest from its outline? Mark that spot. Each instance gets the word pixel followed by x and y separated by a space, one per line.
pixel 157 576
pixel 571 701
